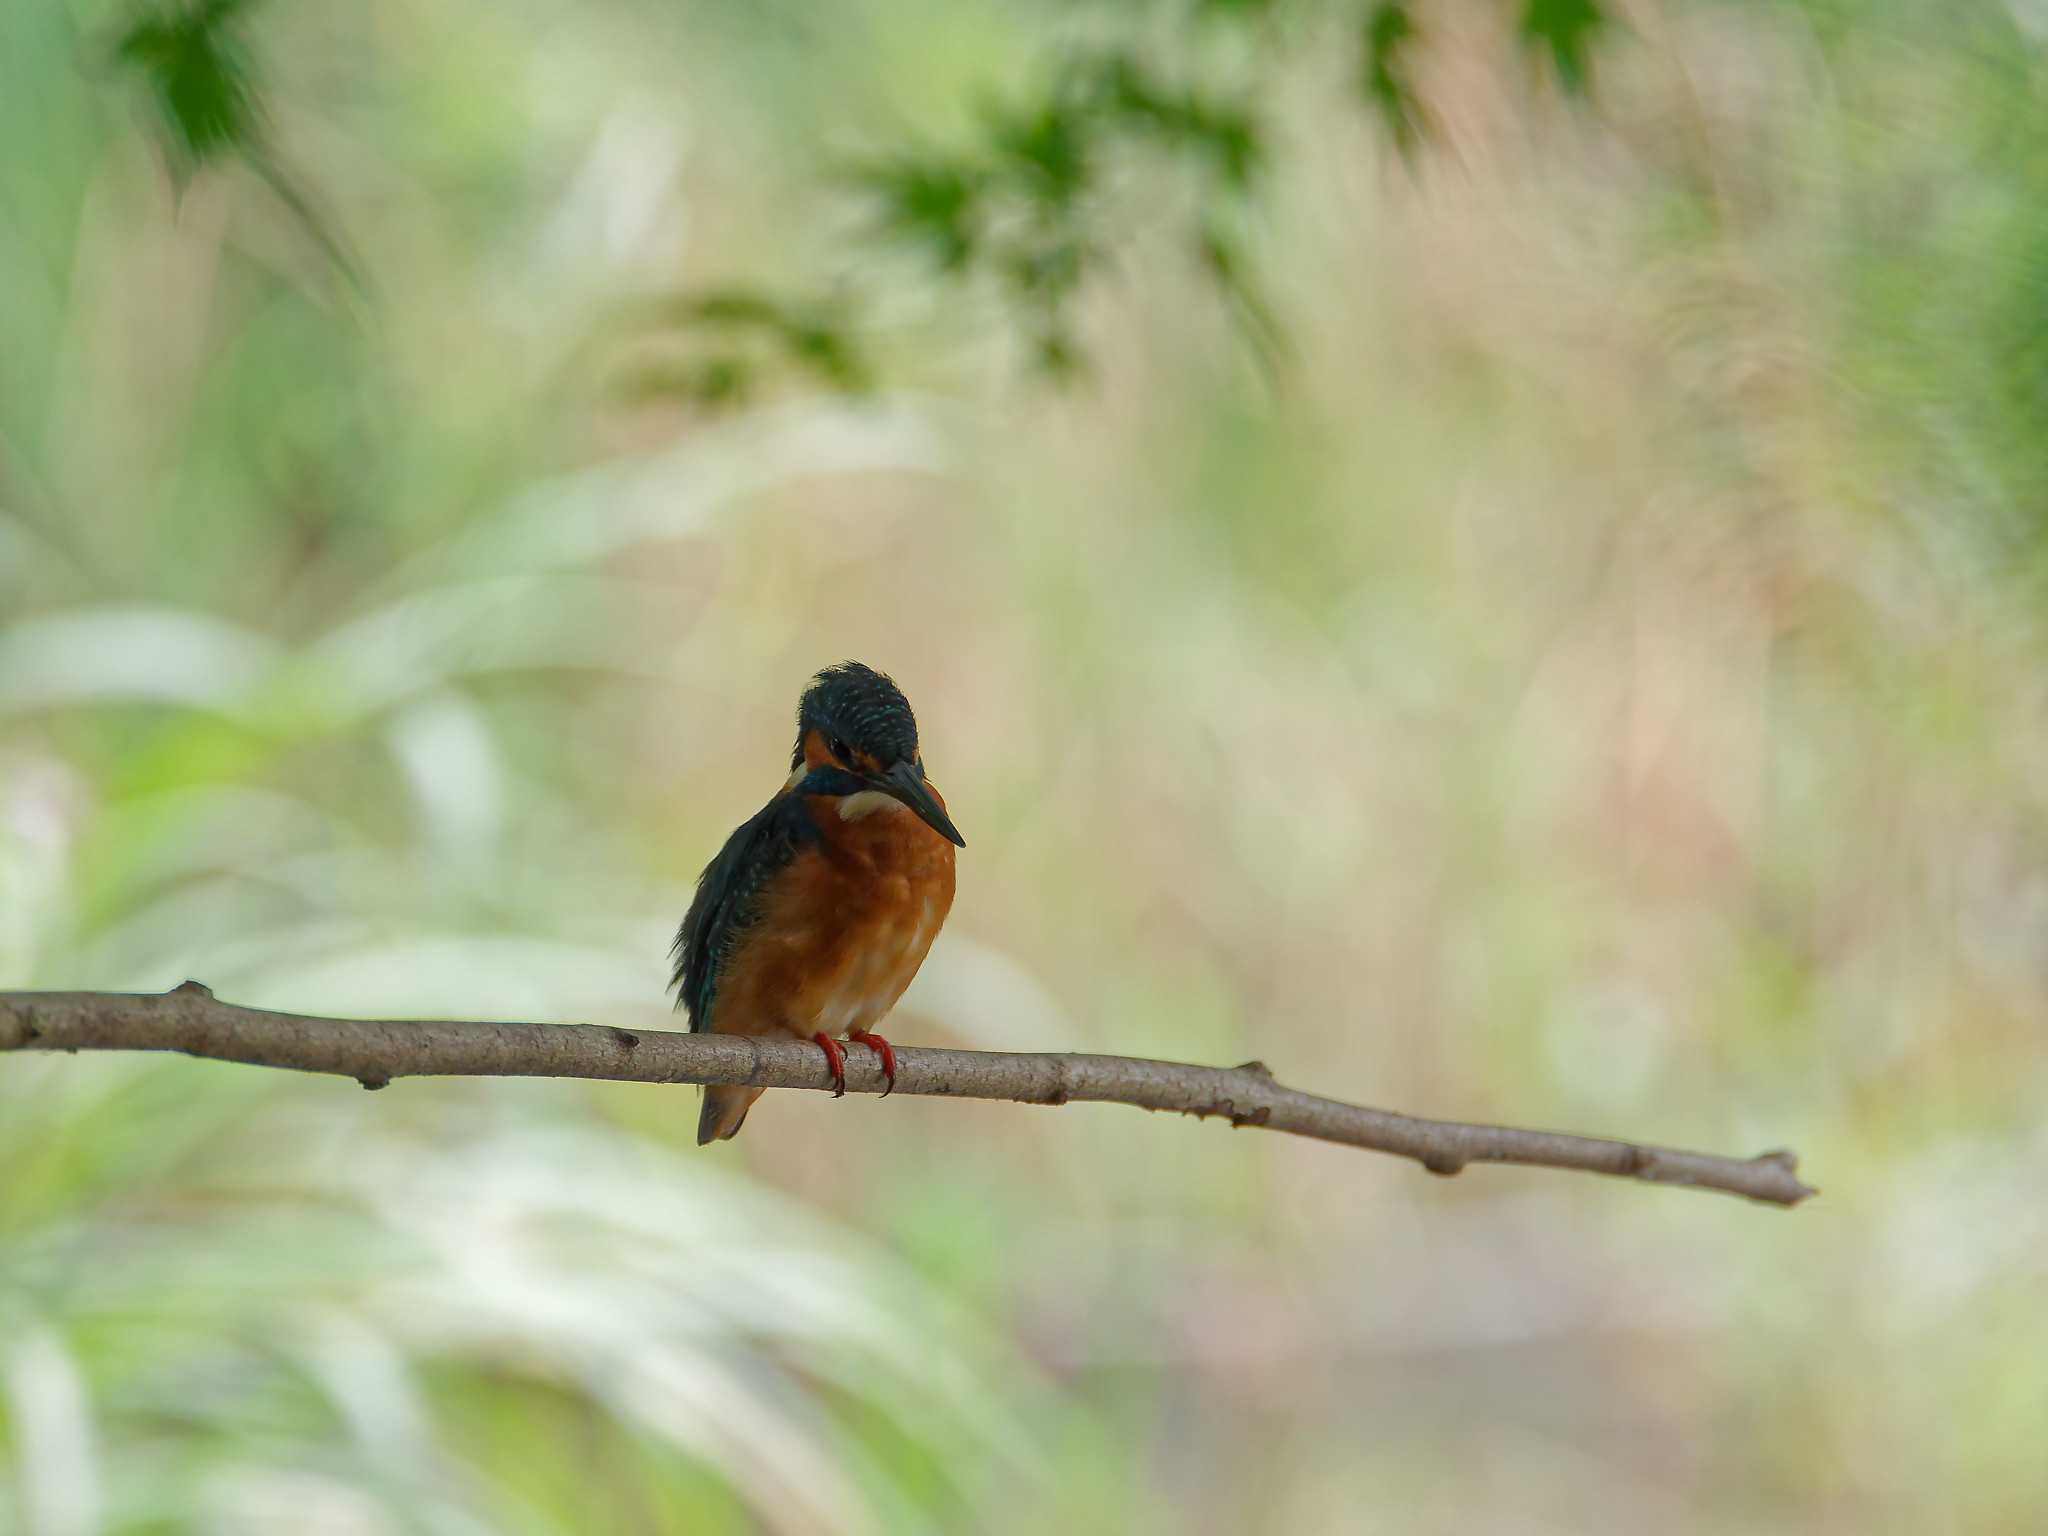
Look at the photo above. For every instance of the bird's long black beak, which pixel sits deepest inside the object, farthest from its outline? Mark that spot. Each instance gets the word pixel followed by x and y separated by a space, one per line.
pixel 906 782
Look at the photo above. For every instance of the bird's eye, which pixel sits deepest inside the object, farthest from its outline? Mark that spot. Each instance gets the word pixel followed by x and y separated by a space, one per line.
pixel 840 750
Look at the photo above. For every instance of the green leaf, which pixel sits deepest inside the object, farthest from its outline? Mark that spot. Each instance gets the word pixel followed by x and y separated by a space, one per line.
pixel 1119 88
pixel 828 351
pixel 754 331
pixel 928 203
pixel 198 69
pixel 1048 153
pixel 1564 29
pixel 1389 29
pixel 1056 353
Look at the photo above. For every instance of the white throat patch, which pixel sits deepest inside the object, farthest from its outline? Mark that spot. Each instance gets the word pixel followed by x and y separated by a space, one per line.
pixel 866 803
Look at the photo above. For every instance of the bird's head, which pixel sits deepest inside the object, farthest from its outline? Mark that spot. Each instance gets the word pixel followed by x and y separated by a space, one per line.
pixel 855 735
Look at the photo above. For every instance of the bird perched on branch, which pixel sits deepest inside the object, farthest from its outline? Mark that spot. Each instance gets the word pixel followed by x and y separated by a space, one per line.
pixel 819 909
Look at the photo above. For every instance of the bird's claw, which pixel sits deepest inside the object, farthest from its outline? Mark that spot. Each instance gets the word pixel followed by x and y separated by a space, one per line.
pixel 835 1058
pixel 883 1049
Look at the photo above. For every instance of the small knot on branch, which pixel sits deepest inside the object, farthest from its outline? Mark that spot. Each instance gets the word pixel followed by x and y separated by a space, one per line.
pixel 192 989
pixel 1062 1081
pixel 374 1080
pixel 1443 1164
pixel 1786 1161
pixel 1257 1116
pixel 627 1038
pixel 1256 1068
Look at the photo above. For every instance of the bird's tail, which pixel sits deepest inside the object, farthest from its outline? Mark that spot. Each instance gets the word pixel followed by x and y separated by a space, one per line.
pixel 725 1111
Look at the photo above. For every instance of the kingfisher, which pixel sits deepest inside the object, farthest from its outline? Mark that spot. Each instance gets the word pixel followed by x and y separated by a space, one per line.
pixel 821 906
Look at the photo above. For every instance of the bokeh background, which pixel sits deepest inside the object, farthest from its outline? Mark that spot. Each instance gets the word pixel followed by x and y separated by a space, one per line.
pixel 1528 607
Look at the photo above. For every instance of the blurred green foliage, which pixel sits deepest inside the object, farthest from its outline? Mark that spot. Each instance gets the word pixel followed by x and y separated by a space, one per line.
pixel 197 65
pixel 1031 206
pixel 746 336
pixel 1389 33
pixel 1564 31
pixel 1596 681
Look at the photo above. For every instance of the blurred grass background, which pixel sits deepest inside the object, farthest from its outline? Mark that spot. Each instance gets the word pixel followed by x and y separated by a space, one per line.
pixel 1588 672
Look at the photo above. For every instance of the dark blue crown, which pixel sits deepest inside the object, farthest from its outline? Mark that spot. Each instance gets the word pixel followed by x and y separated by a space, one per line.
pixel 860 707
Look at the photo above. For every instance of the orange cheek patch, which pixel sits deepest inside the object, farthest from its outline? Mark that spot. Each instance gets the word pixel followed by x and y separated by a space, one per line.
pixel 815 755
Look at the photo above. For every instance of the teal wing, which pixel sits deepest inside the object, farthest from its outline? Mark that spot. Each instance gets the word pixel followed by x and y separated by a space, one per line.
pixel 730 897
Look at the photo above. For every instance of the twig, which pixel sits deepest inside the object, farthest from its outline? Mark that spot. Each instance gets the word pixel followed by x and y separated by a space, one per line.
pixel 375 1051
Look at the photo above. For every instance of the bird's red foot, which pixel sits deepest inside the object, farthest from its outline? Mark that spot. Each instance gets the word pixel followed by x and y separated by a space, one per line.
pixel 883 1049
pixel 835 1058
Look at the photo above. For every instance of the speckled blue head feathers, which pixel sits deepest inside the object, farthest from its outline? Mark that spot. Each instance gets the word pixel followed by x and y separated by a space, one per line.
pixel 859 706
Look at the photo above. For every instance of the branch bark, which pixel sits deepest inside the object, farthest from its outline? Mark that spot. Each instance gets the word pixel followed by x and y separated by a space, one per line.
pixel 375 1051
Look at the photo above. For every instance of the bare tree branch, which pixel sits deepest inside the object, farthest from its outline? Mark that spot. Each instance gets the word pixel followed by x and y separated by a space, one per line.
pixel 374 1051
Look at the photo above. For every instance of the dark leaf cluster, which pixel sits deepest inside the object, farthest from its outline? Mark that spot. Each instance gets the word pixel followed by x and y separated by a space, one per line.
pixel 736 342
pixel 1038 200
pixel 1031 208
pixel 197 67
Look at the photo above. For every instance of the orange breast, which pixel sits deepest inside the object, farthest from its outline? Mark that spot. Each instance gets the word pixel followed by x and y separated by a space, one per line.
pixel 847 928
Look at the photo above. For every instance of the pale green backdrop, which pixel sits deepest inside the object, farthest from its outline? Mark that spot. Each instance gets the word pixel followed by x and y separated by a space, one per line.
pixel 1582 666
